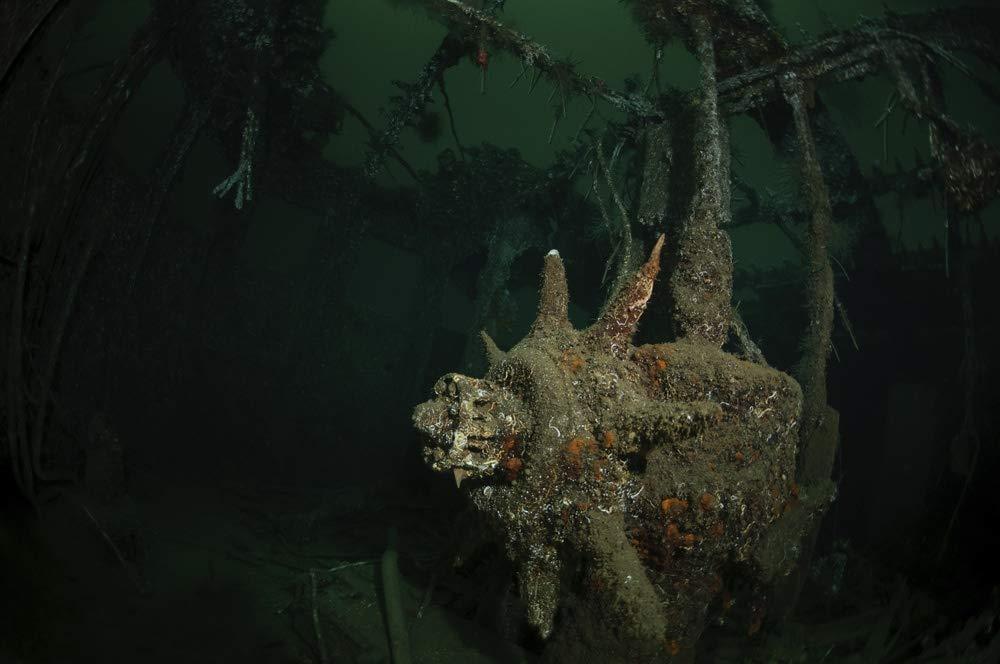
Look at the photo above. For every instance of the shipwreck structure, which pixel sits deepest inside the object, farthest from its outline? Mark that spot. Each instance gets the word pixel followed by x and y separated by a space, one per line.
pixel 632 487
pixel 625 482
pixel 624 477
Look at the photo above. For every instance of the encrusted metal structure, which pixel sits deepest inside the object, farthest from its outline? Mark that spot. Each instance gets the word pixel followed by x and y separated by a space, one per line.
pixel 621 479
pixel 628 485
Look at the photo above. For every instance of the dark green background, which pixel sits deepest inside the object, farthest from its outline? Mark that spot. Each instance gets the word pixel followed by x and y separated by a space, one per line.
pixel 378 41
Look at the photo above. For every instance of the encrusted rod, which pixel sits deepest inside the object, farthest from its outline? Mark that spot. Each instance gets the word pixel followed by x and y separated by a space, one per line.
pixel 846 55
pixel 418 95
pixel 701 284
pixel 800 246
pixel 242 177
pixel 373 133
pixel 617 323
pixel 665 423
pixel 852 54
pixel 553 303
pixel 819 280
pixel 533 54
pixel 406 108
pixel 623 578
pixel 624 239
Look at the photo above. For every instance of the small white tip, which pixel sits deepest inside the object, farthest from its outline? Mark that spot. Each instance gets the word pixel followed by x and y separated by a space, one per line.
pixel 553 252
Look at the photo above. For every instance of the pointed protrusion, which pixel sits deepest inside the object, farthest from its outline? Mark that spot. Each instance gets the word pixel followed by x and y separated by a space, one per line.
pixel 460 474
pixel 493 353
pixel 616 326
pixel 553 305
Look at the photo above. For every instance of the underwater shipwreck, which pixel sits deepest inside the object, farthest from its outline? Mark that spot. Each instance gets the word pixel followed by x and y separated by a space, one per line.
pixel 389 332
